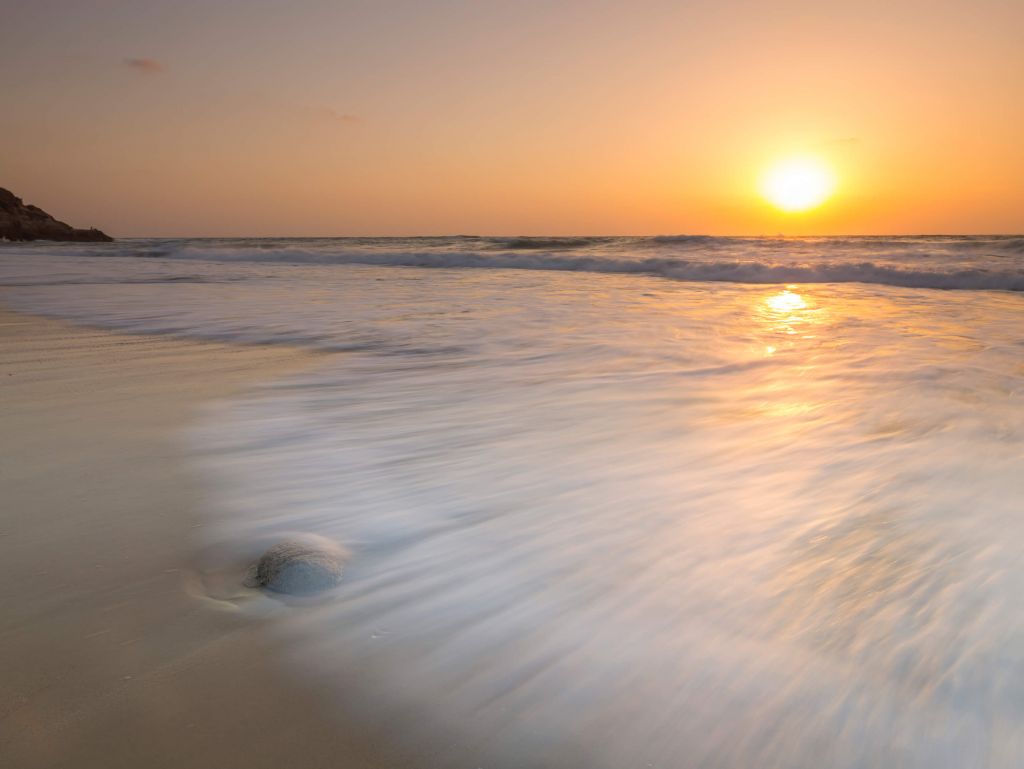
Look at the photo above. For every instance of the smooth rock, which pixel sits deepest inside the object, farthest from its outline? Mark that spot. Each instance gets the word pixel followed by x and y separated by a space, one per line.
pixel 299 568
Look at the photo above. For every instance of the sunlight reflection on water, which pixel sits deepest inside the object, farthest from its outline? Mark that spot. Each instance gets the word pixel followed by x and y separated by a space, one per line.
pixel 610 521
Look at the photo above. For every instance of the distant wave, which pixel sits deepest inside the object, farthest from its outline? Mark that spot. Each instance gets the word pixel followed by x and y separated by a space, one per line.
pixel 697 240
pixel 924 261
pixel 736 271
pixel 1014 244
pixel 538 243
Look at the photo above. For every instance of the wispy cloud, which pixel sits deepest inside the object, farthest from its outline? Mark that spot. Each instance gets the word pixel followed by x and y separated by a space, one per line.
pixel 332 115
pixel 145 66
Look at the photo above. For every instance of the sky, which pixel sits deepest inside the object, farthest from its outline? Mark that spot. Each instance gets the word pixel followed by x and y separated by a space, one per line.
pixel 325 117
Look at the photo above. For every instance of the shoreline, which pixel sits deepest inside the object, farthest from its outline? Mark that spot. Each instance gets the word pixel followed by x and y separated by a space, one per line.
pixel 107 659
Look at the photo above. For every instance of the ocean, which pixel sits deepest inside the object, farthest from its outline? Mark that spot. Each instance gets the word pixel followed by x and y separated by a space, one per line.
pixel 617 502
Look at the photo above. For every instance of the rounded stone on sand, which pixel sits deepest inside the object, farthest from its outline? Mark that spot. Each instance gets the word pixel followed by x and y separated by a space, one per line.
pixel 299 568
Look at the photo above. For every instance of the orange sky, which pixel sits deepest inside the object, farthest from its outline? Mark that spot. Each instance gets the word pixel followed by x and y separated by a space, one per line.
pixel 320 117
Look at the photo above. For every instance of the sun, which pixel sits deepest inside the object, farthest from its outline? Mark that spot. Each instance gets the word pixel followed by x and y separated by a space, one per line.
pixel 798 183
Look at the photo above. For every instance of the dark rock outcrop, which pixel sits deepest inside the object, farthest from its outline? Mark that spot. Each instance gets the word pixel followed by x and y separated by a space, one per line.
pixel 22 222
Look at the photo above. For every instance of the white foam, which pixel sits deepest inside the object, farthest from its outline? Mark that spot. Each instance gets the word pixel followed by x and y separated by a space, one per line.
pixel 609 520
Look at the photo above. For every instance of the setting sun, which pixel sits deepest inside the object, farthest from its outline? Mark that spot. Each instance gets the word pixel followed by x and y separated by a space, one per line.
pixel 798 183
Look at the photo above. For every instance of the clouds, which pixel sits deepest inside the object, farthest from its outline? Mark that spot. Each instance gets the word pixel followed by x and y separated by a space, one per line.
pixel 329 114
pixel 144 66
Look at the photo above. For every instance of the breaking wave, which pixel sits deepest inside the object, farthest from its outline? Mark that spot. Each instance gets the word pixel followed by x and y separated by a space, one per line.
pixel 674 268
pixel 931 262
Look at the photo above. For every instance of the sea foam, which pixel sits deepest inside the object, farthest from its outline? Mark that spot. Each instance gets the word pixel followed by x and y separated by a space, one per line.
pixel 605 519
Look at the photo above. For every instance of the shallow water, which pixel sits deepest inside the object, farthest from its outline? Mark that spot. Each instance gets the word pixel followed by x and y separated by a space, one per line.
pixel 606 518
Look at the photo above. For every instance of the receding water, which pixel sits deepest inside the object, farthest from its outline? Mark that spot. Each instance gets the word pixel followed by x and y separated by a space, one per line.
pixel 611 518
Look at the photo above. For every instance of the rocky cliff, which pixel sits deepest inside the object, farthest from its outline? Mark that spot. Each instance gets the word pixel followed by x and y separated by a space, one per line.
pixel 21 222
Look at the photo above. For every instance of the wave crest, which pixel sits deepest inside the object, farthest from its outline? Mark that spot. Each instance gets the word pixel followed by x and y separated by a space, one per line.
pixel 735 271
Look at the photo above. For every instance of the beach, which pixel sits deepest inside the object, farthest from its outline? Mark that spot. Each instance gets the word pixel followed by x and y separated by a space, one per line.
pixel 619 385
pixel 609 503
pixel 107 658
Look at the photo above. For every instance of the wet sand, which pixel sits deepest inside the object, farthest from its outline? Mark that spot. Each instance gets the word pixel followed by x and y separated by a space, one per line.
pixel 106 658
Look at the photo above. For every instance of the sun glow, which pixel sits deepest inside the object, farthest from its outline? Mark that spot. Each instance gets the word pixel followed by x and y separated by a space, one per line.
pixel 798 183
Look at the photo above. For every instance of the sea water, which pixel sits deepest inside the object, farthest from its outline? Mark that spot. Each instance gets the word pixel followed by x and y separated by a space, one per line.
pixel 621 502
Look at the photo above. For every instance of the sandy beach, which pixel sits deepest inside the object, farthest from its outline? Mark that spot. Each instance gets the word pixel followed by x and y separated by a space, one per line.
pixel 105 657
